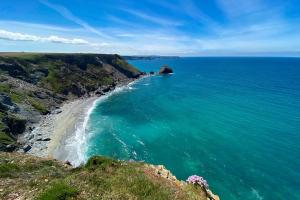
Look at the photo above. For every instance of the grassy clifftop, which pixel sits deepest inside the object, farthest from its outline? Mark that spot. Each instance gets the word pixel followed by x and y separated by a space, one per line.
pixel 33 84
pixel 26 177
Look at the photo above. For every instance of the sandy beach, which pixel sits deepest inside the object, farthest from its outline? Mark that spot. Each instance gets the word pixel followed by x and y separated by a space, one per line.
pixel 55 134
pixel 66 143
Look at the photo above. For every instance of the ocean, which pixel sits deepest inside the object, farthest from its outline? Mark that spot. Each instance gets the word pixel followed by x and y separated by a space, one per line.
pixel 234 121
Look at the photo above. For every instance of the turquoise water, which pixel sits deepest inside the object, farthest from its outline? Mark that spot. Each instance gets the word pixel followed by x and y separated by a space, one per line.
pixel 234 121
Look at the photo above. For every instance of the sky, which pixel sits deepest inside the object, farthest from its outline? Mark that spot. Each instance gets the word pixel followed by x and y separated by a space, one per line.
pixel 152 27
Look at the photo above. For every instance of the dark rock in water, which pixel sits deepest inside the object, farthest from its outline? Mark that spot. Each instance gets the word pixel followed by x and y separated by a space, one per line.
pixel 151 73
pixel 26 148
pixel 165 70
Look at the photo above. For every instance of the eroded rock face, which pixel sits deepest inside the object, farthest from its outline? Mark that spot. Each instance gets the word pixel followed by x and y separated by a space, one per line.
pixel 165 70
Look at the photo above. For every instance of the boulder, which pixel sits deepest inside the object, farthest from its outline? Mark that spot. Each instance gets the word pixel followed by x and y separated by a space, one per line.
pixel 151 73
pixel 165 70
pixel 26 148
pixel 8 148
pixel 16 125
pixel 6 103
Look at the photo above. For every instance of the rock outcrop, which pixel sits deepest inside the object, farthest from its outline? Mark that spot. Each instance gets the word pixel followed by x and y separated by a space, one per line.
pixel 165 70
pixel 162 172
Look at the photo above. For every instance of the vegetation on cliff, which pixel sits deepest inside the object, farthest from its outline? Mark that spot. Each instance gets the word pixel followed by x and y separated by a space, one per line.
pixel 26 177
pixel 33 84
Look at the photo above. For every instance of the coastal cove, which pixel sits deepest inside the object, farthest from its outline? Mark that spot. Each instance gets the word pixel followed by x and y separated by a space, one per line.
pixel 46 101
pixel 66 128
pixel 226 119
pixel 150 100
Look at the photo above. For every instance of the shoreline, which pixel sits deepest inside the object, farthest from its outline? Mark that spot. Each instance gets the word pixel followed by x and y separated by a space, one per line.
pixel 61 134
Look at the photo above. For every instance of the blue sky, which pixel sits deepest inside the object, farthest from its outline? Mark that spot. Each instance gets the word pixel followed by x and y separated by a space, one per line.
pixel 149 27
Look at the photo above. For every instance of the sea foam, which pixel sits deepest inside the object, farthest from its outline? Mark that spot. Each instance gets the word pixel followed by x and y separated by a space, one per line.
pixel 77 144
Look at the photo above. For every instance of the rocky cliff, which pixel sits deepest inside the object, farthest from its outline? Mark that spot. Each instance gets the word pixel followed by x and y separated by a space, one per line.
pixel 33 84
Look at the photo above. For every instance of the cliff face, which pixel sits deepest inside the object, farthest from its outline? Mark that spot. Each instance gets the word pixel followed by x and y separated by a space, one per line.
pixel 33 84
pixel 26 177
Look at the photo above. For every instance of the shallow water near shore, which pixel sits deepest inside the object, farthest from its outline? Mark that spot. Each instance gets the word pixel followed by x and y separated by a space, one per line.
pixel 234 121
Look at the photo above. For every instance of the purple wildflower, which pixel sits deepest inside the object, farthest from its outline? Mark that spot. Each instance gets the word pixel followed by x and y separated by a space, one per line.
pixel 197 180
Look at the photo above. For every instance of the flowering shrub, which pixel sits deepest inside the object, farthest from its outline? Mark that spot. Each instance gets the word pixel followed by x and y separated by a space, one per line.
pixel 197 180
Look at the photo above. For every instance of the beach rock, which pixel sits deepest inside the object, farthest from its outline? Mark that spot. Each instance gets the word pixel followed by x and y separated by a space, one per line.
pixel 68 163
pixel 57 111
pixel 45 139
pixel 107 89
pixel 26 148
pixel 165 70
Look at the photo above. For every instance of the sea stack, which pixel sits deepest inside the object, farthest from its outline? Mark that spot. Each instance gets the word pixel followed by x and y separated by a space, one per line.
pixel 165 69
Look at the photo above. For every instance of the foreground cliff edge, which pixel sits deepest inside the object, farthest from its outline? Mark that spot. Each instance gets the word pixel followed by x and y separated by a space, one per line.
pixel 34 86
pixel 23 176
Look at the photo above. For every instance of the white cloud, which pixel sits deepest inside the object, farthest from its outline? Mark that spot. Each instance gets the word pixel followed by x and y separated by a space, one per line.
pixel 70 16
pixel 89 46
pixel 7 35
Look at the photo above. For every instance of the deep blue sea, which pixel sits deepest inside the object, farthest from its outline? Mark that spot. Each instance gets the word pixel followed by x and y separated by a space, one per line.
pixel 234 121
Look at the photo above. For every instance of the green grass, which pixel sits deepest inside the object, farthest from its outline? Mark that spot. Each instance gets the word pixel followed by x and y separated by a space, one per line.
pixel 101 162
pixel 101 178
pixel 17 97
pixel 54 81
pixel 8 169
pixel 58 191
pixel 38 106
pixel 122 180
pixel 107 81
pixel 125 65
pixel 5 139
pixel 5 88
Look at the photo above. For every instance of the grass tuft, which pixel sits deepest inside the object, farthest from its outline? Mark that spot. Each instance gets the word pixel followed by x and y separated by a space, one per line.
pixel 5 139
pixel 8 169
pixel 100 162
pixel 38 106
pixel 58 191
